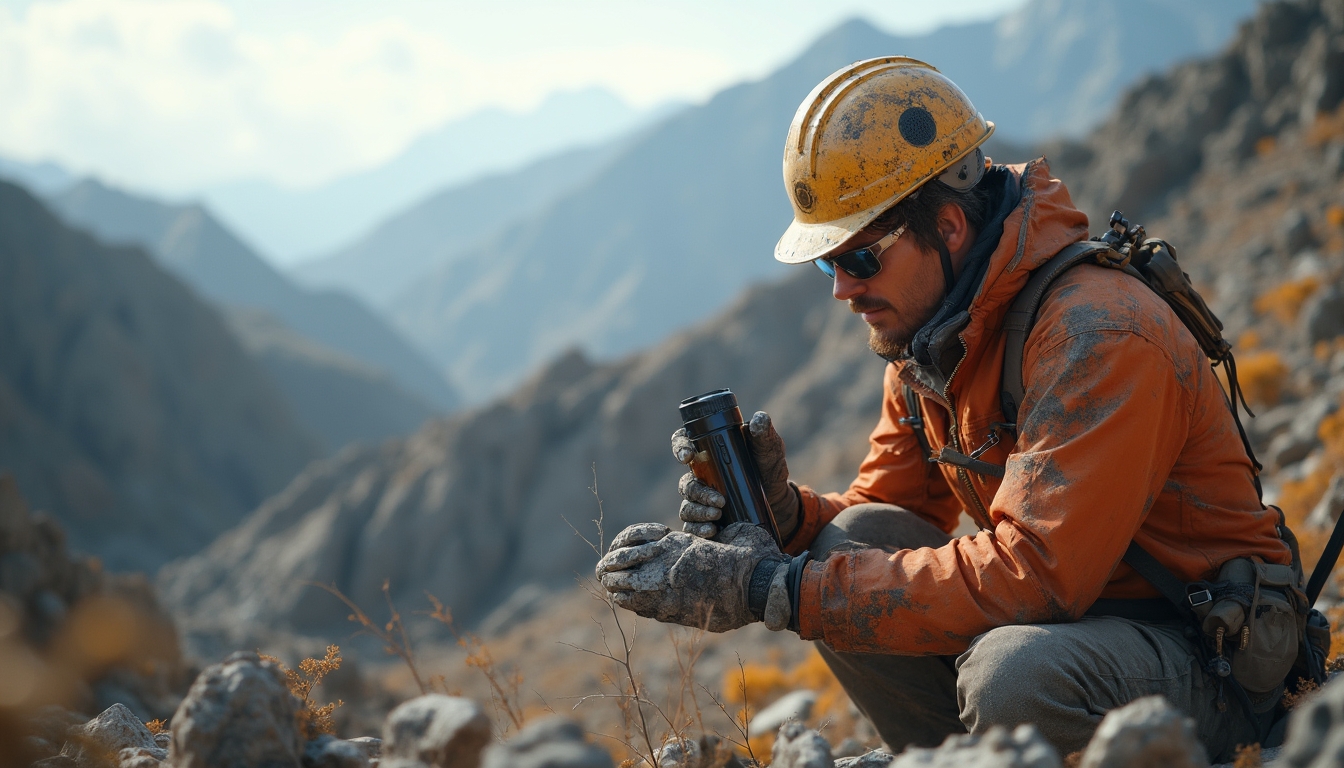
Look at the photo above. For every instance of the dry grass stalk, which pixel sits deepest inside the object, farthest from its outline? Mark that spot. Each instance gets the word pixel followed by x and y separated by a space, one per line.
pixel 313 720
pixel 503 685
pixel 392 634
pixel 630 696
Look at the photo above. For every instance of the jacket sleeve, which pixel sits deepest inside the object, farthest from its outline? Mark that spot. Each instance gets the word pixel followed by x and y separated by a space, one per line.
pixel 894 472
pixel 1103 422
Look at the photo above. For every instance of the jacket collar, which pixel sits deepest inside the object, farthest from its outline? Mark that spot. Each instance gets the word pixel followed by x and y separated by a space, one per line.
pixel 1043 223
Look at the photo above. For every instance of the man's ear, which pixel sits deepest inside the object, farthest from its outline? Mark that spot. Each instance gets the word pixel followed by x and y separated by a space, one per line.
pixel 955 229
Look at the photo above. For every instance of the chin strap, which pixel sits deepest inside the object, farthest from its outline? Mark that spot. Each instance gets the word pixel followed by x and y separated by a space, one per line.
pixel 949 279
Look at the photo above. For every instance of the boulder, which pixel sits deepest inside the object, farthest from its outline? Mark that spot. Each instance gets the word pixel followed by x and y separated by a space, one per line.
pixel 1326 511
pixel 142 757
pixel 1316 730
pixel 238 713
pixel 1147 731
pixel 708 751
pixel 446 731
pixel 327 751
pixel 1294 232
pixel 873 759
pixel 1323 315
pixel 800 747
pixel 372 746
pixel 1024 747
pixel 1301 438
pixel 850 747
pixel 791 706
pixel 111 732
pixel 552 742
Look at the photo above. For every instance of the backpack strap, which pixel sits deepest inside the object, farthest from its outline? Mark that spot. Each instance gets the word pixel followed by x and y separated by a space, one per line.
pixel 915 421
pixel 1022 314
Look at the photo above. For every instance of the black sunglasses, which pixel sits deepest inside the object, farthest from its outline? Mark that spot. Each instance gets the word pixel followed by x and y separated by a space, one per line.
pixel 862 263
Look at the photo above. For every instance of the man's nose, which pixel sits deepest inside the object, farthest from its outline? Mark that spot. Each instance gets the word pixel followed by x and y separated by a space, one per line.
pixel 846 286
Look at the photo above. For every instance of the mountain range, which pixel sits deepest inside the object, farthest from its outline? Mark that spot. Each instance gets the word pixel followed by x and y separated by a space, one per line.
pixel 477 507
pixel 330 334
pixel 127 408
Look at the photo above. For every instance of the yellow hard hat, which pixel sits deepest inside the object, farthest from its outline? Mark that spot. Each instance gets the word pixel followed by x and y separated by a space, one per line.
pixel 867 137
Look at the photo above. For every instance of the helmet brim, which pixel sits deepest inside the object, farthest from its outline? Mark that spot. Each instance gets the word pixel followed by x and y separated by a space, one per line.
pixel 803 242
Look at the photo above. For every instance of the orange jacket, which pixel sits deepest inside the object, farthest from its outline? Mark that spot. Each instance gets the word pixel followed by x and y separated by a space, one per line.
pixel 1124 435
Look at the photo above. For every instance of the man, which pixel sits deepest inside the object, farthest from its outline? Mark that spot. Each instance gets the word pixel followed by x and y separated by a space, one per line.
pixel 1124 435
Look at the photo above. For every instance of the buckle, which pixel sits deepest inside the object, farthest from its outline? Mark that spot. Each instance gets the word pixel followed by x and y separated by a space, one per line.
pixel 1199 598
pixel 1112 257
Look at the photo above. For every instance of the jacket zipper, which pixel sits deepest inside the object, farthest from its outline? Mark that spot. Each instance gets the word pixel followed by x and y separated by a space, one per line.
pixel 964 475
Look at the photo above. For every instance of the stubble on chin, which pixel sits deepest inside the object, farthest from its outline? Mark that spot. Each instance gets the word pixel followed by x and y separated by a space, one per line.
pixel 891 345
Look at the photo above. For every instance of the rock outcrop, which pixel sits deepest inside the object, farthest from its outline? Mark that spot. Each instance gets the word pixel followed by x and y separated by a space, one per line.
pixel 1285 68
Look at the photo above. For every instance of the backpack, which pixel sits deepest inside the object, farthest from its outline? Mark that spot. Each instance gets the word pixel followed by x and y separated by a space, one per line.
pixel 1238 592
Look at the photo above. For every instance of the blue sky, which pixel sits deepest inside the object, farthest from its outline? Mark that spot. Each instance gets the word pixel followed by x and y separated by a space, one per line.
pixel 174 94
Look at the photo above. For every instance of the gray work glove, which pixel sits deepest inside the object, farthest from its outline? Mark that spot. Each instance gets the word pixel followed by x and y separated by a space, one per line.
pixel 702 505
pixel 674 577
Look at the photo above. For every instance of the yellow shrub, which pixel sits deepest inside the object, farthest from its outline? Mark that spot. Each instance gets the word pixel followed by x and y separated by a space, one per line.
pixel 765 683
pixel 313 720
pixel 1262 376
pixel 1248 340
pixel 1285 300
pixel 1265 145
pixel 1334 215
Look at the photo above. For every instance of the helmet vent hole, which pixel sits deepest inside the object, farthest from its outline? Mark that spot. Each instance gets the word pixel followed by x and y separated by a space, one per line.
pixel 803 195
pixel 917 126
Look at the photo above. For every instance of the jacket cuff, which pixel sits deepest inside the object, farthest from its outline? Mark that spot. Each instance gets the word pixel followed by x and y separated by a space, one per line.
pixel 810 521
pixel 807 605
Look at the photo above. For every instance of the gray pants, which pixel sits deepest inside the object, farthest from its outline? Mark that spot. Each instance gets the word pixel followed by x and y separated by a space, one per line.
pixel 1061 677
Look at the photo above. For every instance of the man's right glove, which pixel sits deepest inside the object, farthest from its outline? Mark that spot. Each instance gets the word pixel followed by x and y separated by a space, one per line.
pixel 716 585
pixel 701 505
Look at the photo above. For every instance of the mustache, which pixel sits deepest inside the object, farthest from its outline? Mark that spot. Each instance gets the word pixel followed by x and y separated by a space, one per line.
pixel 867 304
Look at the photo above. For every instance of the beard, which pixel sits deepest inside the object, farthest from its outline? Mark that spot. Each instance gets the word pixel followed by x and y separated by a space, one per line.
pixel 891 343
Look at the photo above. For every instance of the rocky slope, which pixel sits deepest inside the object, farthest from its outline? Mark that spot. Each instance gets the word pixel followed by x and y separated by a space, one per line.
pixel 1285 67
pixel 189 242
pixel 340 399
pixel 686 217
pixel 127 409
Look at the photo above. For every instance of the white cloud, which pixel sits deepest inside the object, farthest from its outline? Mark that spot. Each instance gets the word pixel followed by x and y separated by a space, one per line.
pixel 175 94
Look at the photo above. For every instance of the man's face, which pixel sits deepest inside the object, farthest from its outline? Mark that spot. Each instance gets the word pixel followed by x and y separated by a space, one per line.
pixel 897 301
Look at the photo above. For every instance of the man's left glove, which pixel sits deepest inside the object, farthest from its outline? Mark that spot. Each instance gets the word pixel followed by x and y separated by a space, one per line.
pixel 675 577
